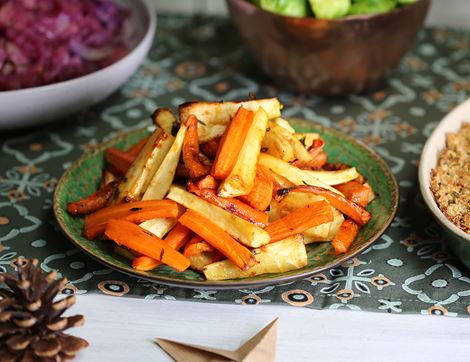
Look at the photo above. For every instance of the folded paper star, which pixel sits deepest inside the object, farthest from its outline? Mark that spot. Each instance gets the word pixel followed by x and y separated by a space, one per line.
pixel 261 347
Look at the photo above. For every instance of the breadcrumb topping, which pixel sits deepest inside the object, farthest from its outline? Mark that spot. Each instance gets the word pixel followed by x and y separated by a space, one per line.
pixel 450 180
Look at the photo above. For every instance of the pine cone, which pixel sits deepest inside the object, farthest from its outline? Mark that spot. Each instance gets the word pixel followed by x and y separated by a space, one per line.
pixel 31 322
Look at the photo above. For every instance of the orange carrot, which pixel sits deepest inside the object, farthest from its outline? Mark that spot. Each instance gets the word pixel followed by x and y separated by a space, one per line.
pixel 300 220
pixel 144 242
pixel 345 236
pixel 96 223
pixel 190 152
pixel 118 160
pixel 319 160
pixel 138 217
pixel 234 206
pixel 231 143
pixel 261 194
pixel 219 239
pixel 355 191
pixel 207 182
pixel 135 149
pixel 197 245
pixel 347 207
pixel 94 202
pixel 177 237
pixel 210 147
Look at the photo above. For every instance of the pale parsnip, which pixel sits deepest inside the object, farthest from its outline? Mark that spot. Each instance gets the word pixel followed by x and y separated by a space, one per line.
pixel 307 139
pixel 148 161
pixel 334 177
pixel 163 178
pixel 160 226
pixel 201 260
pixel 279 257
pixel 273 211
pixel 241 179
pixel 275 144
pixel 293 174
pixel 284 124
pixel 242 230
pixel 281 181
pixel 281 142
pixel 214 116
pixel 338 219
pixel 165 119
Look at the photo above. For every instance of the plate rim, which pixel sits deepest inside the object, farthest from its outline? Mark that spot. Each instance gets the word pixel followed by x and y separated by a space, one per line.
pixel 220 285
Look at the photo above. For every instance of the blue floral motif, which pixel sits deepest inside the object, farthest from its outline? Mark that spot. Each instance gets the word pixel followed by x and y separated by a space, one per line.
pixel 448 275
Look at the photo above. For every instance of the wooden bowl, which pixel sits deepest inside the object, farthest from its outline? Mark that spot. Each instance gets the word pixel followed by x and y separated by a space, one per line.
pixel 328 57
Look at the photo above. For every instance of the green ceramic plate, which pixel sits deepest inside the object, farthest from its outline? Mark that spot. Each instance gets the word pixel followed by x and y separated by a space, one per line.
pixel 84 175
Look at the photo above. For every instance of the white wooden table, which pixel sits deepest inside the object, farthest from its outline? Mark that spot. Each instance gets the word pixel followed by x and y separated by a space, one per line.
pixel 123 329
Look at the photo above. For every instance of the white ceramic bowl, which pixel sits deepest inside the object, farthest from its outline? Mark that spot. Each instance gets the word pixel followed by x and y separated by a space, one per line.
pixel 33 106
pixel 459 240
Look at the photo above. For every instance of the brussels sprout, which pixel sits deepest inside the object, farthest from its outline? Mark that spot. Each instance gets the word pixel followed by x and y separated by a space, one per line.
pixel 406 2
pixel 298 8
pixel 330 9
pixel 363 7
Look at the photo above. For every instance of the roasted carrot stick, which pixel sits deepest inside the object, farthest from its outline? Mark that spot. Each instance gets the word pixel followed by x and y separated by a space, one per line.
pixel 135 149
pixel 201 253
pixel 96 223
pixel 144 242
pixel 219 239
pixel 94 202
pixel 345 236
pixel 176 238
pixel 138 217
pixel 210 147
pixel 207 182
pixel 190 152
pixel 119 160
pixel 261 194
pixel 347 207
pixel 197 245
pixel 300 220
pixel 231 143
pixel 234 206
pixel 355 191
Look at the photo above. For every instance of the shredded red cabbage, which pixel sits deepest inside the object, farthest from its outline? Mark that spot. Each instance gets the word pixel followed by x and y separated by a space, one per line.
pixel 49 41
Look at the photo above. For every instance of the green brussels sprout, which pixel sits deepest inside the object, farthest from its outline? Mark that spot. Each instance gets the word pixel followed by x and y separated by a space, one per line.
pixel 298 8
pixel 363 7
pixel 406 2
pixel 330 9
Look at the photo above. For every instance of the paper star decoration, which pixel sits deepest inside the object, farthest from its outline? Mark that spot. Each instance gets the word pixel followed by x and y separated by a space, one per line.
pixel 261 347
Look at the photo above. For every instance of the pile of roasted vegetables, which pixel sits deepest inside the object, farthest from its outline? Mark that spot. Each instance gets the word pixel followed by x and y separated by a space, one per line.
pixel 229 189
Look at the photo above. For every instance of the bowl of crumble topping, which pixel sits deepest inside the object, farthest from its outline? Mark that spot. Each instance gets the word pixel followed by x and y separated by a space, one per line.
pixel 444 176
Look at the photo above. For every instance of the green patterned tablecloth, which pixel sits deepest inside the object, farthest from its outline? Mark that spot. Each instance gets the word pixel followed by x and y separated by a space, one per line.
pixel 409 270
